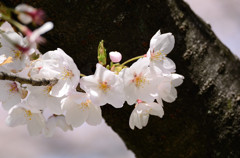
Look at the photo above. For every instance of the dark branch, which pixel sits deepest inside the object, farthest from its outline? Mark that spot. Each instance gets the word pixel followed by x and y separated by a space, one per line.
pixel 43 82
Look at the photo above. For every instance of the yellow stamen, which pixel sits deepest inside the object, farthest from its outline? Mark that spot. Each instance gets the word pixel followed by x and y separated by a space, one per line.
pixel 67 73
pixel 139 80
pixel 28 114
pixel 18 54
pixel 158 56
pixel 85 105
pixel 104 86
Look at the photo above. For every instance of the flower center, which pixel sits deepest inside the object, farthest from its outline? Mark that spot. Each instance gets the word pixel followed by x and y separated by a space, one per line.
pixel 157 56
pixel 104 86
pixel 28 114
pixel 18 54
pixel 85 105
pixel 67 73
pixel 139 80
pixel 13 87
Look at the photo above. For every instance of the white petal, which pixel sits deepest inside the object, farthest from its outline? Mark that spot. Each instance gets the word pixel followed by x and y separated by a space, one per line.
pixel 177 79
pixel 36 124
pixel 164 43
pixel 95 115
pixel 16 117
pixel 156 109
pixel 75 114
pixel 169 64
pixel 43 29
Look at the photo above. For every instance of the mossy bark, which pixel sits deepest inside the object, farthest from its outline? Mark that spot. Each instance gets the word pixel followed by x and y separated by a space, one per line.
pixel 205 119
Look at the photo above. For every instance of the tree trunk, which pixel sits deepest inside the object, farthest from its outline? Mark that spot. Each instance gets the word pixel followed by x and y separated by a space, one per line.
pixel 205 119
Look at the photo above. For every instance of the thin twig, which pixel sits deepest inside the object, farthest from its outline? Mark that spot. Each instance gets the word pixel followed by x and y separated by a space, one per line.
pixel 42 82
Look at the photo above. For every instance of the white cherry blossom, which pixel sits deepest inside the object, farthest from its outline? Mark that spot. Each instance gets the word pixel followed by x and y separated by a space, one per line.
pixel 56 121
pixel 160 46
pixel 104 87
pixel 9 42
pixel 40 98
pixel 21 114
pixel 166 87
pixel 139 81
pixel 10 94
pixel 57 64
pixel 80 109
pixel 140 115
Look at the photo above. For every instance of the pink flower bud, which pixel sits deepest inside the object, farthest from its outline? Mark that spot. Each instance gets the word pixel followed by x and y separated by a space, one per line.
pixel 115 56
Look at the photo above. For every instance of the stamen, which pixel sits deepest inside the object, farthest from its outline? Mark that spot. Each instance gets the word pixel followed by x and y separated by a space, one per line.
pixel 18 54
pixel 104 86
pixel 28 114
pixel 157 56
pixel 67 73
pixel 139 80
pixel 13 87
pixel 85 105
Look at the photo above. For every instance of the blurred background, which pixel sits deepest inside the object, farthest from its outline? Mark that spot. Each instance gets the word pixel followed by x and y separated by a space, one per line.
pixel 100 141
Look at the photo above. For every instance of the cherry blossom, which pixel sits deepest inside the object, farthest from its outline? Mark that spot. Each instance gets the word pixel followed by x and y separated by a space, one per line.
pixel 56 121
pixel 166 87
pixel 104 87
pixel 139 82
pixel 40 98
pixel 57 64
pixel 79 109
pixel 140 115
pixel 11 94
pixel 22 114
pixel 160 46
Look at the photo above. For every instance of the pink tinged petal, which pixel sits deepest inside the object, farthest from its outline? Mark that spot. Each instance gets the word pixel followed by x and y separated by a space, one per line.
pixel 43 29
pixel 36 124
pixel 16 117
pixel 95 115
pixel 115 56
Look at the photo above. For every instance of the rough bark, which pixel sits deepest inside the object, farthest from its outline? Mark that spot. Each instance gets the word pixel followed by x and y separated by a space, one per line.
pixel 205 119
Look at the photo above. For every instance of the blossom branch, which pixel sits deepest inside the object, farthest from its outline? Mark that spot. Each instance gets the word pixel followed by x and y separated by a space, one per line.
pixel 43 82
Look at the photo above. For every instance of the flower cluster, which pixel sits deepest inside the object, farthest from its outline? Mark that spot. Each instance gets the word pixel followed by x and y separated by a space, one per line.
pixel 147 82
